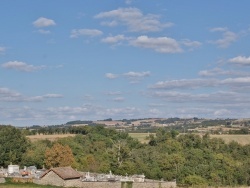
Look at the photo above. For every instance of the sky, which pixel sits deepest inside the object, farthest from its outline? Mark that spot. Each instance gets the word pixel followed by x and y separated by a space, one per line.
pixel 63 60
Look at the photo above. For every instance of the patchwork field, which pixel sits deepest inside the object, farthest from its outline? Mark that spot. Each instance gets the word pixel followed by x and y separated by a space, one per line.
pixel 48 137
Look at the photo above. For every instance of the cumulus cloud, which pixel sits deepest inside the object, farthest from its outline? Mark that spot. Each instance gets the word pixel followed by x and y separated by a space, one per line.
pixel 75 33
pixel 44 22
pixel 240 60
pixel 133 19
pixel 21 66
pixel 159 44
pixel 228 37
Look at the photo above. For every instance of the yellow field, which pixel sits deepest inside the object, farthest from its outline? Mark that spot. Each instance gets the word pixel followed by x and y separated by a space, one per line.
pixel 48 137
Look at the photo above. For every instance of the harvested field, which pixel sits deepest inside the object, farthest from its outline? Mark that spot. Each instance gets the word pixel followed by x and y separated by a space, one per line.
pixel 48 137
pixel 140 136
pixel 241 139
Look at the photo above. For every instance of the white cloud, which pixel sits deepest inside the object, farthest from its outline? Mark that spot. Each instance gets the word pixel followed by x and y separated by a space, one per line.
pixel 75 33
pixel 44 22
pixel 45 32
pixel 111 76
pixel 7 95
pixel 132 74
pixel 2 50
pixel 134 77
pixel 21 66
pixel 219 97
pixel 113 93
pixel 134 19
pixel 160 44
pixel 222 112
pixel 191 44
pixel 113 39
pixel 240 60
pixel 185 84
pixel 128 1
pixel 228 37
pixel 219 72
pixel 119 99
pixel 201 83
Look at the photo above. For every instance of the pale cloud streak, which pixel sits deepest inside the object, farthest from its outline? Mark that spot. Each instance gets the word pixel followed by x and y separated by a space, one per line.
pixel 2 50
pixel 21 66
pixel 221 72
pixel 134 77
pixel 7 95
pixel 111 75
pixel 202 83
pixel 44 22
pixel 228 37
pixel 133 19
pixel 75 33
pixel 113 39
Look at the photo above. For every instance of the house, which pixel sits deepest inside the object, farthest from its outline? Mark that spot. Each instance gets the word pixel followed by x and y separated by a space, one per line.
pixel 59 176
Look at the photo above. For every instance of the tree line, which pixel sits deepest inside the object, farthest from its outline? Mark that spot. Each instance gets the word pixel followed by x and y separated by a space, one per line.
pixel 188 158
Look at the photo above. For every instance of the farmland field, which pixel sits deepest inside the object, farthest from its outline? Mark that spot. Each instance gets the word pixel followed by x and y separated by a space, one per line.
pixel 241 139
pixel 48 137
pixel 140 136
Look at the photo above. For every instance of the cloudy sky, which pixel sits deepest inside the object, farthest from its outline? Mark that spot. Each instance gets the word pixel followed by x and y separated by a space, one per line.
pixel 90 60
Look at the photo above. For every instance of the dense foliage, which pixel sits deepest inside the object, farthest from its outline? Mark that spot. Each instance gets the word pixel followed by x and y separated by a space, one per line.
pixel 12 145
pixel 188 158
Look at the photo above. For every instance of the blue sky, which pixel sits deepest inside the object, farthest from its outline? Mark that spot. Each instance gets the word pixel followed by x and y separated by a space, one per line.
pixel 90 60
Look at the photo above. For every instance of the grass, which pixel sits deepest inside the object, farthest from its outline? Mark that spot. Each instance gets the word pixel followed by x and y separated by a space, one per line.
pixel 10 184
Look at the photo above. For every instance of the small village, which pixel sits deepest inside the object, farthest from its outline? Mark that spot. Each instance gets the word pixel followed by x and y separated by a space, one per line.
pixel 69 177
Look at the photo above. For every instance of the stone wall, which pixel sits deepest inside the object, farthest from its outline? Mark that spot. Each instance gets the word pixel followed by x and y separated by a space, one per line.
pixel 78 183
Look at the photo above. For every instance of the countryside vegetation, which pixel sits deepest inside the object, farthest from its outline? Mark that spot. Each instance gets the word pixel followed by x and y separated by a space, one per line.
pixel 189 158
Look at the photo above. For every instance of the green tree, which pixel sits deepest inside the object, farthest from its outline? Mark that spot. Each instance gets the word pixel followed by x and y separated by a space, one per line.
pixel 13 144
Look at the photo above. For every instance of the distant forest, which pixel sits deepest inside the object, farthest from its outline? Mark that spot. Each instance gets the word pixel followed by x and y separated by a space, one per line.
pixel 168 155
